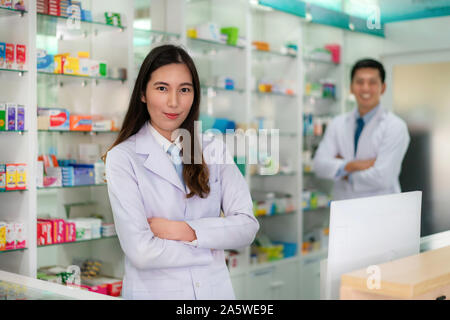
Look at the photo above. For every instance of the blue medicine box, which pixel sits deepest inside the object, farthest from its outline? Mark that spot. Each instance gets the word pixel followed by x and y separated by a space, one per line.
pixel 84 174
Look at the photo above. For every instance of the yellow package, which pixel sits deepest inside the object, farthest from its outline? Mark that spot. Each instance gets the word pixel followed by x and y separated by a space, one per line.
pixel 2 236
pixel 21 176
pixel 11 177
pixel 60 61
pixel 72 66
pixel 83 54
pixel 192 33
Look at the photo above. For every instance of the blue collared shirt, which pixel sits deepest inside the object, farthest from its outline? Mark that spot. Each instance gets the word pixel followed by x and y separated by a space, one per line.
pixel 367 117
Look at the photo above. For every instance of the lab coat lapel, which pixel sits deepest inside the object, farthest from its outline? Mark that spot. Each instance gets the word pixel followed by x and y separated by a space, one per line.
pixel 350 132
pixel 368 129
pixel 157 161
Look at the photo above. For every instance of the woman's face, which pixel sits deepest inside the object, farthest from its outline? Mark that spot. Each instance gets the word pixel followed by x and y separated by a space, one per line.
pixel 169 96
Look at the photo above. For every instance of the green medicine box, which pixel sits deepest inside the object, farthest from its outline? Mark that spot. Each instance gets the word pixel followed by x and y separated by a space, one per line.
pixel 2 117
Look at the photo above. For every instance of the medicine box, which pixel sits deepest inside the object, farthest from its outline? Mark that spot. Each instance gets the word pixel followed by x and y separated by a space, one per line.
pixel 11 114
pixel 21 176
pixel 9 55
pixel 2 177
pixel 45 61
pixel 71 232
pixel 20 118
pixel 2 236
pixel 44 232
pixel 10 237
pixel 11 176
pixel 21 54
pixel 84 174
pixel 19 229
pixel 2 54
pixel 58 118
pixel 80 122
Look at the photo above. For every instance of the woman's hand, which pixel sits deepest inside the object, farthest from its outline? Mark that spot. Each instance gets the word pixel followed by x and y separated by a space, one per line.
pixel 171 229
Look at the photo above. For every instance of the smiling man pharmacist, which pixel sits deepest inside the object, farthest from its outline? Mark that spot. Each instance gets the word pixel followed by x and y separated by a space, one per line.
pixel 362 150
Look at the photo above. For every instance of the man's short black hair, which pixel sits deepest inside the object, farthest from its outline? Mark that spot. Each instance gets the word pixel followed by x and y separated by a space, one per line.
pixel 369 63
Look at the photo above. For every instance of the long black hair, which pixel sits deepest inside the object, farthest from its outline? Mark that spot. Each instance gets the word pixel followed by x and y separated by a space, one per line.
pixel 196 176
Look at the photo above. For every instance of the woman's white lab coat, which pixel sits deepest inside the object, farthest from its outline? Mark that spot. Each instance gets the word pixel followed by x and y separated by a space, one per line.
pixel 385 138
pixel 143 183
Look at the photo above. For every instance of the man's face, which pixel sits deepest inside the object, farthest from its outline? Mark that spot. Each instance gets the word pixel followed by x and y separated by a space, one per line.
pixel 367 88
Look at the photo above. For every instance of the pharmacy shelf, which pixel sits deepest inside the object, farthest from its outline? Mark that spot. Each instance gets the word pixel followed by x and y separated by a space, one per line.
pixel 258 266
pixel 102 26
pixel 13 250
pixel 290 213
pixel 20 132
pixel 316 254
pixel 92 133
pixel 260 54
pixel 74 76
pixel 7 12
pixel 278 94
pixel 78 241
pixel 20 73
pixel 280 174
pixel 315 60
pixel 9 191
pixel 220 89
pixel 205 44
pixel 73 187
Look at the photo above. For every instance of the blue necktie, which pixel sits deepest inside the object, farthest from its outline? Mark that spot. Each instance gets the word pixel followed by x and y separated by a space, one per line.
pixel 359 128
pixel 177 161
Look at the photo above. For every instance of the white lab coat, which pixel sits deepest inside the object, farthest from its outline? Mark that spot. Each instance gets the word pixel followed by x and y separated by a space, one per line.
pixel 385 138
pixel 143 183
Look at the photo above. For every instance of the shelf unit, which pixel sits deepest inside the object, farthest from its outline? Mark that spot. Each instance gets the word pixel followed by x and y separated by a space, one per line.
pixel 79 94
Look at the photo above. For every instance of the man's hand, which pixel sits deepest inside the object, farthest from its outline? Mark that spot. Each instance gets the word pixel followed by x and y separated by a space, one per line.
pixel 171 229
pixel 359 165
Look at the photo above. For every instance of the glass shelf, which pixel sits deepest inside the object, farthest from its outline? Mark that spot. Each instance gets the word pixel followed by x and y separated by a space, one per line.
pixel 274 94
pixel 72 187
pixel 79 132
pixel 20 132
pixel 277 214
pixel 7 12
pixel 205 44
pixel 13 250
pixel 64 28
pixel 235 90
pixel 8 191
pixel 78 241
pixel 145 38
pixel 313 98
pixel 267 54
pixel 20 73
pixel 280 174
pixel 74 76
pixel 315 60
pixel 315 209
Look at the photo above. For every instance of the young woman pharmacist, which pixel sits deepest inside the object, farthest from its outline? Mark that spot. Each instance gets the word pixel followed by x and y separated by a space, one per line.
pixel 168 215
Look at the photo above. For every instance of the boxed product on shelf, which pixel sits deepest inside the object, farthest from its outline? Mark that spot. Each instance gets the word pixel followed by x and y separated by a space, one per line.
pixel 84 174
pixel 102 124
pixel 53 177
pixel 289 248
pixel 21 56
pixel 2 54
pixel 261 45
pixel 96 226
pixel 9 55
pixel 44 232
pixel 2 177
pixel 83 228
pixel 21 176
pixel 99 172
pixel 45 61
pixel 6 3
pixel 68 176
pixel 108 230
pixel 59 118
pixel 80 122
pixel 112 286
pixel 11 176
pixel 11 113
pixel 71 66
pixel 58 230
pixel 71 231
pixel 20 120
pixel 2 116
pixel 2 236
pixel 19 229
pixel 10 237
